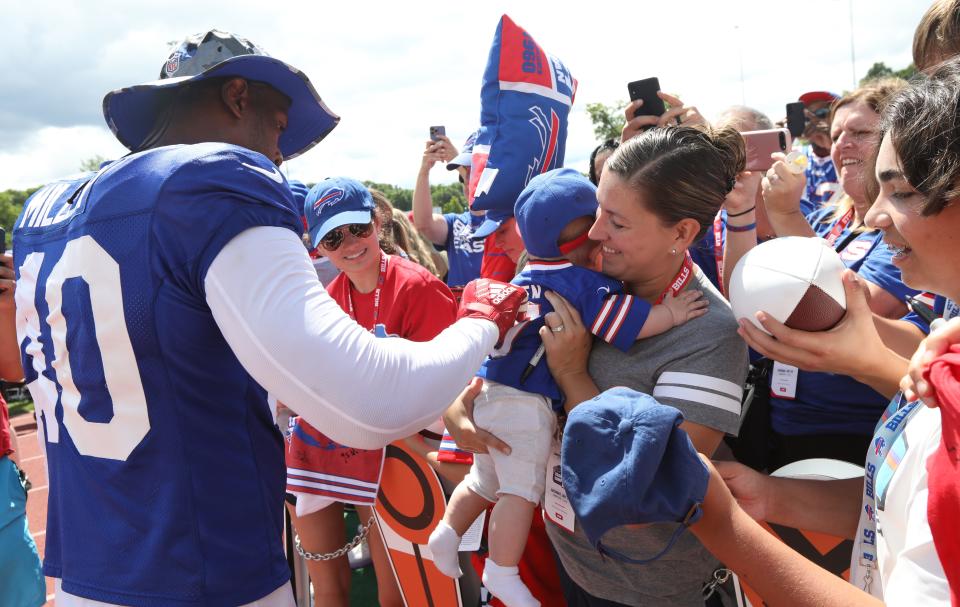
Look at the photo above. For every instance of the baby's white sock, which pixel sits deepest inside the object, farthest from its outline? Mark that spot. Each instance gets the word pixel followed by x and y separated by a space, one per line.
pixel 505 584
pixel 444 545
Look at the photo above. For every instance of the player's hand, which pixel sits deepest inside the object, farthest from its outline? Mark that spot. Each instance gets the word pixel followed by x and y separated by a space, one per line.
pixel 458 418
pixel 686 306
pixel 750 488
pixel 492 300
pixel 782 189
pixel 915 384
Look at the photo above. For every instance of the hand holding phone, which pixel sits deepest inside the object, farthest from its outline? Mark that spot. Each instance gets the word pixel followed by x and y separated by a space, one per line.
pixel 761 144
pixel 646 90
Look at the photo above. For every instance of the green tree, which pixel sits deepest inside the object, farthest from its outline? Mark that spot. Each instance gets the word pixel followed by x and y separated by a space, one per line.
pixel 608 120
pixel 93 163
pixel 882 70
pixel 11 203
pixel 449 197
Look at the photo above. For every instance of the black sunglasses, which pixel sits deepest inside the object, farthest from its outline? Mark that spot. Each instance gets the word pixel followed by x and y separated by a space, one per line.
pixel 334 238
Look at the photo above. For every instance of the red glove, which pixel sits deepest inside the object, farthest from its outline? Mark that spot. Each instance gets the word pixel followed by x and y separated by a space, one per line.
pixel 492 300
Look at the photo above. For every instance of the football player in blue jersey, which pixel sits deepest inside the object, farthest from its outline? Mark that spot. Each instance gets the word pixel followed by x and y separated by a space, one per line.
pixel 161 299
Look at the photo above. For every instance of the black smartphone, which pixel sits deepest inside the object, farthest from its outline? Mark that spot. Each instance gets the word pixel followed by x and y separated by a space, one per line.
pixel 646 89
pixel 796 119
pixel 3 241
pixel 436 131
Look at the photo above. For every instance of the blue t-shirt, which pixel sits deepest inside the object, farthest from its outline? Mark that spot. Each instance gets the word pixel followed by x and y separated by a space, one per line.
pixel 821 180
pixel 827 403
pixel 464 253
pixel 166 468
pixel 610 314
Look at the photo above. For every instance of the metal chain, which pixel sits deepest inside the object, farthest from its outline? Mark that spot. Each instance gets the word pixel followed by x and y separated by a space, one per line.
pixel 329 556
pixel 720 577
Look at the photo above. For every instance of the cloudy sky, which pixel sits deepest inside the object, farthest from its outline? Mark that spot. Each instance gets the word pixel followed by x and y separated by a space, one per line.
pixel 390 68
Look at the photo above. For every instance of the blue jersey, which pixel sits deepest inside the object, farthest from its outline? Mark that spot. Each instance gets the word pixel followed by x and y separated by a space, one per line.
pixel 610 314
pixel 821 180
pixel 166 468
pixel 827 403
pixel 464 252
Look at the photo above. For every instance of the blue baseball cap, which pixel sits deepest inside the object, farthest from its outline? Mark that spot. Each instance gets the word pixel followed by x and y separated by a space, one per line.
pixel 625 461
pixel 491 221
pixel 548 204
pixel 465 157
pixel 132 112
pixel 335 202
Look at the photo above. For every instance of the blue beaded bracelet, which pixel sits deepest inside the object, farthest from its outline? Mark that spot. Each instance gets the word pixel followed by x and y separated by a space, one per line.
pixel 746 228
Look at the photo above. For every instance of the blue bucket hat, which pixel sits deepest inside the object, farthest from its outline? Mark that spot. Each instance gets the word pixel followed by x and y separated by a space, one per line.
pixel 335 202
pixel 548 204
pixel 625 461
pixel 132 112
pixel 465 157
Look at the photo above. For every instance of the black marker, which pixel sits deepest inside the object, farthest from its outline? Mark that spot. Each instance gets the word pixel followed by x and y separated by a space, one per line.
pixel 925 313
pixel 534 361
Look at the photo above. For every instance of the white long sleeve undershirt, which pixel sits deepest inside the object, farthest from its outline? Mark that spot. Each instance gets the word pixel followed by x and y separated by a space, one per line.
pixel 298 344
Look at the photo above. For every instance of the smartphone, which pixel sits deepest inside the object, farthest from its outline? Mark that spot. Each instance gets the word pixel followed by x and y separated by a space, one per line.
pixel 3 241
pixel 646 89
pixel 796 118
pixel 436 132
pixel 760 144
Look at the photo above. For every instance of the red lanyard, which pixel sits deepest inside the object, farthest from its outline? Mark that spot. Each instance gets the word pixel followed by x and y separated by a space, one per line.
pixel 376 294
pixel 680 280
pixel 718 248
pixel 839 227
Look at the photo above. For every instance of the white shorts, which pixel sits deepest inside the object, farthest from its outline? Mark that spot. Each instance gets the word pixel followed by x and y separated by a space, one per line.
pixel 526 422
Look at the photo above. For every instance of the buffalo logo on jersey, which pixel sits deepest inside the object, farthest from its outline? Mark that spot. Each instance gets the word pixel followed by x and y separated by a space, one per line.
pixel 330 198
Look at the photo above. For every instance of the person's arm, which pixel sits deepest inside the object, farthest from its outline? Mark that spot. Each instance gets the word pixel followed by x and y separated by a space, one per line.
pixel 782 191
pixel 11 368
pixel 432 225
pixel 853 347
pixel 913 383
pixel 452 472
pixel 775 571
pixel 672 312
pixel 900 336
pixel 741 235
pixel 827 506
pixel 301 347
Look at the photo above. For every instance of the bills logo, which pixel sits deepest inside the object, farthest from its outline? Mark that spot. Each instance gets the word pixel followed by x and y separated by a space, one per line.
pixel 878 445
pixel 547 130
pixel 679 282
pixel 173 64
pixel 330 198
pixel 869 510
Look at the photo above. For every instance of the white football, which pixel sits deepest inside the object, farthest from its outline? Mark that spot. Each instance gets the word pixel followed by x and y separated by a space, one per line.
pixel 795 280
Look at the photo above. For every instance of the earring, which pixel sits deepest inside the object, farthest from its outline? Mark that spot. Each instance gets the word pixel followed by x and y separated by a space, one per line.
pixel 673 251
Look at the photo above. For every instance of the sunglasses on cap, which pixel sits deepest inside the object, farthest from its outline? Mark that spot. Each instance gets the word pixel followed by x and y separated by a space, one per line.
pixel 334 238
pixel 822 112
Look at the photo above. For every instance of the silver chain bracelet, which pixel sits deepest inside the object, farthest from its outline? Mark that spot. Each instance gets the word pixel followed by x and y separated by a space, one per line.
pixel 329 556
